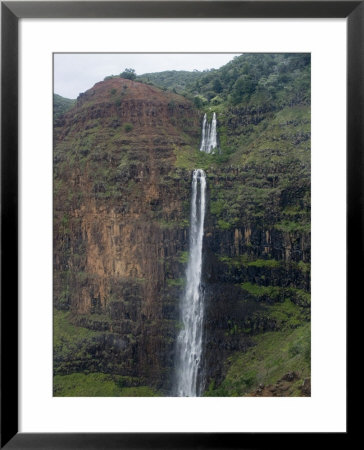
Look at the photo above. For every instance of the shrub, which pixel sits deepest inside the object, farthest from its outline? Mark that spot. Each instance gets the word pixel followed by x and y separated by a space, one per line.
pixel 129 74
pixel 128 127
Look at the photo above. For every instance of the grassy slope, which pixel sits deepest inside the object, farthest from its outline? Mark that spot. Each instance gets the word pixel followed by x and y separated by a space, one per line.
pixel 71 343
pixel 97 385
pixel 264 157
pixel 61 105
pixel 274 355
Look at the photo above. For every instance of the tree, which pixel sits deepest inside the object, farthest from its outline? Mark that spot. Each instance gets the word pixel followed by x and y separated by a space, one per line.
pixel 217 86
pixel 243 88
pixel 197 101
pixel 129 74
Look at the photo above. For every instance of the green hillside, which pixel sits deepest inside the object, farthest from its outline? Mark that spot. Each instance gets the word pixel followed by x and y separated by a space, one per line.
pixel 61 105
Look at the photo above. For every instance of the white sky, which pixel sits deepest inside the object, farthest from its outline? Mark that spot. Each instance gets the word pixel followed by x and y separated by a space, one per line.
pixel 77 72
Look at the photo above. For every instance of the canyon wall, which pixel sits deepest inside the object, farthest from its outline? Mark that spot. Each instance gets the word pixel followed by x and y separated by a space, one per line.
pixel 123 159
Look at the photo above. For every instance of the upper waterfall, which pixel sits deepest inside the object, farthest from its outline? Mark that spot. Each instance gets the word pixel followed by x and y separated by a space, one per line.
pixel 209 135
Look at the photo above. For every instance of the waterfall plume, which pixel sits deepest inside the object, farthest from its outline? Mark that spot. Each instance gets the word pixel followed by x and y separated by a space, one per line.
pixel 209 135
pixel 189 341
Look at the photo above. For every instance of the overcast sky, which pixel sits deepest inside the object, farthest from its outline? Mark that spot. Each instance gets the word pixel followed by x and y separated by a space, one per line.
pixel 77 72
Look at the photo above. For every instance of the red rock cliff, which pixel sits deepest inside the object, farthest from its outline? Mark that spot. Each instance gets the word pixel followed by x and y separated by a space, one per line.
pixel 120 220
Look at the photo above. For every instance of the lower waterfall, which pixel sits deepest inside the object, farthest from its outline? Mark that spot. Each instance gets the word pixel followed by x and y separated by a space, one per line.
pixel 189 341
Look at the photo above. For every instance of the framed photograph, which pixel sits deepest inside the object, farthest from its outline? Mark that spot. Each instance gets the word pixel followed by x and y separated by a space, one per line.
pixel 179 215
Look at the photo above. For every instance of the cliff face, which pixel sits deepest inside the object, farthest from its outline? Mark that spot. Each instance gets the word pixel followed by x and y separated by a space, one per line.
pixel 258 249
pixel 123 158
pixel 257 280
pixel 120 224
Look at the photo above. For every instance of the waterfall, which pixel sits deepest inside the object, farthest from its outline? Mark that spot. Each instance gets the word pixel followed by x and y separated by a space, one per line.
pixel 204 133
pixel 209 135
pixel 189 341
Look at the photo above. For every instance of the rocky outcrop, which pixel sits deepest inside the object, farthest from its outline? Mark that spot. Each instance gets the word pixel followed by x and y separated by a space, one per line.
pixel 290 384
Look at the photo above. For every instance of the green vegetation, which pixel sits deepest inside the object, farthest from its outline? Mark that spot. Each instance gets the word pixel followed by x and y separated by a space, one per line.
pixel 280 79
pixel 287 314
pixel 173 80
pixel 183 257
pixel 70 342
pixel 97 385
pixel 273 355
pixel 277 294
pixel 61 105
pixel 245 260
pixel 129 74
pixel 300 297
pixel 290 227
pixel 273 293
pixel 65 333
pixel 74 347
pixel 128 127
pixel 176 282
pixel 304 267
pixel 273 182
pixel 262 103
pixel 271 263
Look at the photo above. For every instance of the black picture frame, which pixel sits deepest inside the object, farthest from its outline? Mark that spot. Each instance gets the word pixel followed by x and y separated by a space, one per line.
pixel 11 12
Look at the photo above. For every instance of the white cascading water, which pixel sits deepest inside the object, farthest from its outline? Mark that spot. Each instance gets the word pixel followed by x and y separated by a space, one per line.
pixel 189 341
pixel 209 135
pixel 204 133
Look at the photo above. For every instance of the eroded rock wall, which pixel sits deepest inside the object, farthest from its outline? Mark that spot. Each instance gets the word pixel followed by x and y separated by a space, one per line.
pixel 121 224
